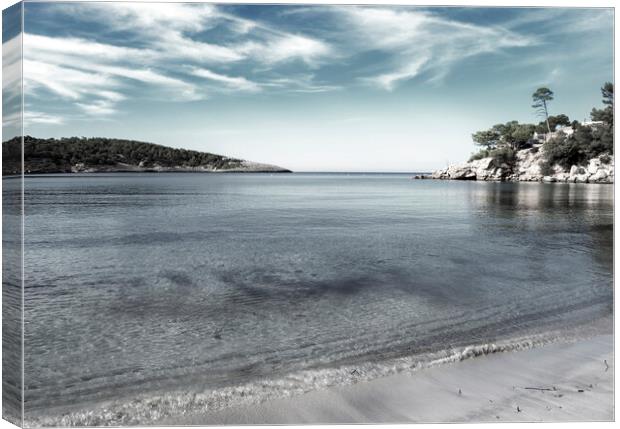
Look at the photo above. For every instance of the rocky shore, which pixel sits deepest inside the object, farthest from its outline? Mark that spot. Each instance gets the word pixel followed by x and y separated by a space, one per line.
pixel 527 168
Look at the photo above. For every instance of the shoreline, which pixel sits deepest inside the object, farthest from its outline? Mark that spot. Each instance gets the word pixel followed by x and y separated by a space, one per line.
pixel 542 182
pixel 529 165
pixel 401 390
pixel 579 382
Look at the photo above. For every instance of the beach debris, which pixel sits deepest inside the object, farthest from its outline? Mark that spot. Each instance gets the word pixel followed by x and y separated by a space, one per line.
pixel 460 393
pixel 497 417
pixel 217 335
pixel 606 365
pixel 539 388
pixel 518 409
pixel 355 372
pixel 580 390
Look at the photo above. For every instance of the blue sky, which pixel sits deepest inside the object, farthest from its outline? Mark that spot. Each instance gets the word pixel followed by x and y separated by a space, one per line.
pixel 321 88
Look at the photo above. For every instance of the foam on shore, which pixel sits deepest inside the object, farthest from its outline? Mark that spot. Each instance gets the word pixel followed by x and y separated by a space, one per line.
pixel 240 404
pixel 558 382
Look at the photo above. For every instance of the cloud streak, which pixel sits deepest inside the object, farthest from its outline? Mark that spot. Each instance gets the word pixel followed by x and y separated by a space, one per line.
pixel 171 58
pixel 11 87
pixel 418 42
pixel 111 53
pixel 238 83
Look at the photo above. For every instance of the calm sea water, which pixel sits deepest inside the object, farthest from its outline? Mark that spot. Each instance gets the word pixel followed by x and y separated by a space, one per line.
pixel 150 283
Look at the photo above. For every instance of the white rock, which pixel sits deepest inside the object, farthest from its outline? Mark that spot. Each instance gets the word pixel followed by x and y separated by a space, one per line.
pixel 484 163
pixel 594 165
pixel 582 178
pixel 461 172
pixel 599 176
pixel 483 167
pixel 527 168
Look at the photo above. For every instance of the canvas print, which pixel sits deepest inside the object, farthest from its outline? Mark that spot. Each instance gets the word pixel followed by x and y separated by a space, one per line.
pixel 221 214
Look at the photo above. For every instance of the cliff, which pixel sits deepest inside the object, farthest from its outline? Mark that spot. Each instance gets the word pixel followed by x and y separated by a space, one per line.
pixel 93 155
pixel 527 167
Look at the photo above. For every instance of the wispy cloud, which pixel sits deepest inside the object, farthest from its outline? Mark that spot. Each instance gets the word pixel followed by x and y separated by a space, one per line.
pixel 238 83
pixel 95 76
pixel 11 87
pixel 287 47
pixel 34 117
pixel 172 57
pixel 188 52
pixel 556 21
pixel 11 120
pixel 419 42
pixel 169 24
pixel 301 83
pixel 11 67
pixel 49 49
pixel 65 82
pixel 404 72
pixel 14 118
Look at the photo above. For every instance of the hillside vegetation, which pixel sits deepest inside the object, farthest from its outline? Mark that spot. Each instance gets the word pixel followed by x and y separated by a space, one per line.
pixel 565 142
pixel 77 154
pixel 554 150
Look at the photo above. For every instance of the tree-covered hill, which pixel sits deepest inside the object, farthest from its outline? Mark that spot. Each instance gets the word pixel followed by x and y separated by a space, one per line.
pixel 564 143
pixel 80 154
pixel 554 150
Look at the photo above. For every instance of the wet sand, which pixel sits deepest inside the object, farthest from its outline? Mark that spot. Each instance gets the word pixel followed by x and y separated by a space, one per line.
pixel 557 382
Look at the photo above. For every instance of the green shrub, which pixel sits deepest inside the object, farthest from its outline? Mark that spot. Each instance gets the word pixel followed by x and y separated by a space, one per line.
pixel 565 152
pixel 504 155
pixel 546 168
pixel 484 153
pixel 602 141
pixel 584 144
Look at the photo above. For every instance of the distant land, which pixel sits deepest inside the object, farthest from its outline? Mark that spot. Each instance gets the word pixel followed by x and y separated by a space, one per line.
pixel 97 155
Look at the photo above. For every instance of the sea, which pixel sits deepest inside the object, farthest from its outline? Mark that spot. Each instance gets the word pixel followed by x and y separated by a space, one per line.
pixel 154 295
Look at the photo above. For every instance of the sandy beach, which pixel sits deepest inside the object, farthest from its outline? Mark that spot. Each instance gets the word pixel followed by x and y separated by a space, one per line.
pixel 557 382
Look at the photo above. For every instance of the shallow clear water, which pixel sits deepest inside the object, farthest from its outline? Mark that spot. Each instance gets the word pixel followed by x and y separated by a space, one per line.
pixel 158 282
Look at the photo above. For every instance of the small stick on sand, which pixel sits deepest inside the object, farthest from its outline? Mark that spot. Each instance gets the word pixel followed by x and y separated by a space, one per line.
pixel 537 388
pixel 606 365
